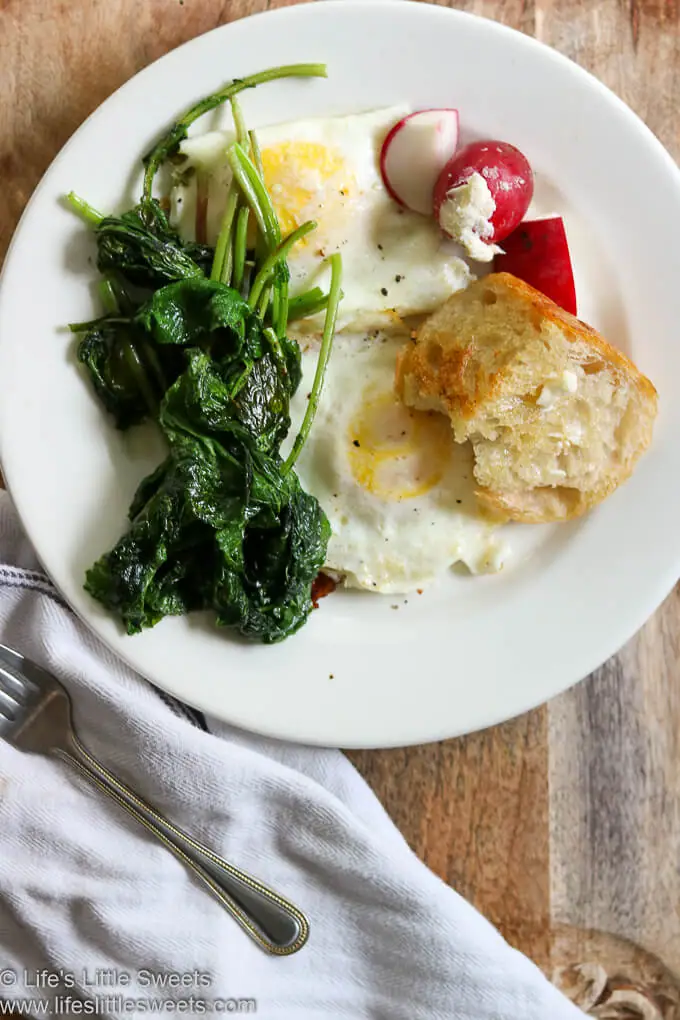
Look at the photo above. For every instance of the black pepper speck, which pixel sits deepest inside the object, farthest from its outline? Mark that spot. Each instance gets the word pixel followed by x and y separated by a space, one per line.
pixel 356 442
pixel 383 291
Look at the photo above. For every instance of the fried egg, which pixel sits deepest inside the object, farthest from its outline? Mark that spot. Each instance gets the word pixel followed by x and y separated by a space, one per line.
pixel 395 262
pixel 397 490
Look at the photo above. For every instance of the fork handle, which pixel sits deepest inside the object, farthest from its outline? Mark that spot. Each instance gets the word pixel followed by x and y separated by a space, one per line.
pixel 271 921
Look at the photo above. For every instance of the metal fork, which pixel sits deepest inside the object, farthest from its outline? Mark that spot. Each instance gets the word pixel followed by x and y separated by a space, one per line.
pixel 35 715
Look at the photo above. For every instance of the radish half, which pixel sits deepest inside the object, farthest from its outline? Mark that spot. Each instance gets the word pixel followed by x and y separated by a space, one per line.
pixel 414 154
pixel 482 194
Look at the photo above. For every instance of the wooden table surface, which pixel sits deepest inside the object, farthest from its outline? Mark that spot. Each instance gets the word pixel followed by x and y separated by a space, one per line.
pixel 565 823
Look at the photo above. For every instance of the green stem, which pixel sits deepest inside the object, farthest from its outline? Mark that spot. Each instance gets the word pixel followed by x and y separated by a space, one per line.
pixel 86 212
pixel 221 257
pixel 255 194
pixel 108 297
pixel 274 259
pixel 276 301
pixel 322 363
pixel 281 311
pixel 309 303
pixel 264 302
pixel 103 320
pixel 240 245
pixel 154 364
pixel 120 293
pixel 255 153
pixel 280 292
pixel 239 121
pixel 138 372
pixel 227 265
pixel 178 132
pixel 277 352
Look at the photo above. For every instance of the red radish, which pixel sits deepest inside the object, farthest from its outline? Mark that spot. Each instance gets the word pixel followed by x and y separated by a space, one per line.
pixel 538 253
pixel 414 153
pixel 482 194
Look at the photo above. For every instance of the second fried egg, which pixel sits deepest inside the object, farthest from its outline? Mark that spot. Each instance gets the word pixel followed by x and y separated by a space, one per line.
pixel 397 490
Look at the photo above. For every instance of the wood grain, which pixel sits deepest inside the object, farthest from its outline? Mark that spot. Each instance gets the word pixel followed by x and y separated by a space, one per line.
pixel 60 60
pixel 568 818
pixel 476 811
pixel 615 794
pixel 614 765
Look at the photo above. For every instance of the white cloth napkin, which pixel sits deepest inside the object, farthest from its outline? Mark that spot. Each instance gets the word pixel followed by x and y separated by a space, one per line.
pixel 88 895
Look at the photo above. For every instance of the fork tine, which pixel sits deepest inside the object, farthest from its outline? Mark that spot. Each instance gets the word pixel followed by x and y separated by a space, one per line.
pixel 13 685
pixel 9 706
pixel 11 657
pixel 15 668
pixel 14 660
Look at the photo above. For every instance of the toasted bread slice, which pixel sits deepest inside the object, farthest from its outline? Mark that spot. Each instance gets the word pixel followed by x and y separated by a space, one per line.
pixel 556 416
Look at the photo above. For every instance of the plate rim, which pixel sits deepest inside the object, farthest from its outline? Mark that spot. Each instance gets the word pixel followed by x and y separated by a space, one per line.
pixel 663 586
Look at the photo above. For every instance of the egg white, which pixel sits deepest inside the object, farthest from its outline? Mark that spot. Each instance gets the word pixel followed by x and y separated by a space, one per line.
pixel 395 262
pixel 397 490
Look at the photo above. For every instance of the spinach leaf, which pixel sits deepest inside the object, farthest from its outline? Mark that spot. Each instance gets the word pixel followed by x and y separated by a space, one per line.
pixel 145 250
pixel 118 374
pixel 196 312
pixel 220 530
pixel 230 397
pixel 218 526
pixel 133 360
pixel 243 383
pixel 293 356
pixel 223 523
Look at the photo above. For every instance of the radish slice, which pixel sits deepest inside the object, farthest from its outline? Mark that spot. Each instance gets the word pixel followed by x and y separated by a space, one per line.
pixel 414 153
pixel 538 253
pixel 482 194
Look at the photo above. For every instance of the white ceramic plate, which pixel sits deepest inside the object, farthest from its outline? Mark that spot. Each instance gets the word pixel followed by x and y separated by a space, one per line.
pixel 468 652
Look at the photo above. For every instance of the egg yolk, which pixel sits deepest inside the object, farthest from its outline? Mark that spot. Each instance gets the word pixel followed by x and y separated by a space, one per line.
pixel 298 176
pixel 397 453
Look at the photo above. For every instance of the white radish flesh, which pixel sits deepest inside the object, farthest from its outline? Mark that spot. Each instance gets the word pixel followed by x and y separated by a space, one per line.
pixel 414 154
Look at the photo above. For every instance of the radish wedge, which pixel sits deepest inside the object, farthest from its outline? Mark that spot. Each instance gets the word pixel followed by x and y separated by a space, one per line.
pixel 538 253
pixel 414 154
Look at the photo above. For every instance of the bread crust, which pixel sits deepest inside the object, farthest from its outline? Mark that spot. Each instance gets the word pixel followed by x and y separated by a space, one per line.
pixel 451 367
